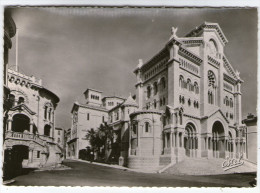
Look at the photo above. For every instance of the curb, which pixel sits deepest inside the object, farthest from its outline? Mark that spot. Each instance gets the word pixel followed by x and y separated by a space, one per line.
pixel 114 166
pixel 8 182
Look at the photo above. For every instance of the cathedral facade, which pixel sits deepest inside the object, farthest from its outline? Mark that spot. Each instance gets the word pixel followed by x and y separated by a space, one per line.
pixel 189 99
pixel 187 105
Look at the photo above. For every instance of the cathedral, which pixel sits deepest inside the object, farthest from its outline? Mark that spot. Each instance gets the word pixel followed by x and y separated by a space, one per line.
pixel 187 105
pixel 189 99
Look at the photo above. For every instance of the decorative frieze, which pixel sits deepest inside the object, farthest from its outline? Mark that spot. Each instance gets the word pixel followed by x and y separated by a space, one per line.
pixel 191 56
pixel 213 62
pixel 189 66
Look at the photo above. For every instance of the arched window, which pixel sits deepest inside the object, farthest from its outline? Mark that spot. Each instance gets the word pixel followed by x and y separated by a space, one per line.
pixel 211 78
pixel 20 100
pixel 213 47
pixel 134 128
pixel 148 91
pixel 50 112
pixel 47 130
pixel 45 112
pixel 180 98
pixel 155 88
pixel 180 114
pixel 147 127
pixel 163 101
pixel 227 101
pixel 163 82
pixel 196 87
pixel 154 103
pixel 183 100
pixel 231 102
pixel 189 102
pixel 12 100
pixel 160 102
pixel 210 97
pixel 189 84
pixel 181 81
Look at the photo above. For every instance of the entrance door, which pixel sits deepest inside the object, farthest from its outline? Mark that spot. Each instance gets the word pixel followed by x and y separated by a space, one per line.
pixel 218 140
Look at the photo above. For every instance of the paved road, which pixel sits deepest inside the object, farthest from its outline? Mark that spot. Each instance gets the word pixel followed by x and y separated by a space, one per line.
pixel 85 174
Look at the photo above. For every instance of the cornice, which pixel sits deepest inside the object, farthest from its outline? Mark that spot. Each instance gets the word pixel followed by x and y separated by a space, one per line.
pixel 229 67
pixel 189 55
pixel 206 25
pixel 229 79
pixel 163 53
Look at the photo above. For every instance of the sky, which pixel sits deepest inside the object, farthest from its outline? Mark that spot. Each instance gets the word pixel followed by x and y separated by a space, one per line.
pixel 72 49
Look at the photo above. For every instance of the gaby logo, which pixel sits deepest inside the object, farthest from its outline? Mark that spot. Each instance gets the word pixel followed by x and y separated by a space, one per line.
pixel 232 162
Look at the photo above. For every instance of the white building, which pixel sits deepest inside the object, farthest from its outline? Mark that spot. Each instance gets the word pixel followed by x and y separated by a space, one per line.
pixel 30 123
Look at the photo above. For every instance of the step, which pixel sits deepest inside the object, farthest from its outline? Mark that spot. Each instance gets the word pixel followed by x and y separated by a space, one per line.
pixel 203 166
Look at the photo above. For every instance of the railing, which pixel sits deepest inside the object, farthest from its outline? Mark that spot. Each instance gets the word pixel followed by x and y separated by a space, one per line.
pixel 41 139
pixel 46 138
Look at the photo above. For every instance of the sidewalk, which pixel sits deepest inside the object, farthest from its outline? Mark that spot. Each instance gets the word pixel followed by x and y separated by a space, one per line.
pixel 115 166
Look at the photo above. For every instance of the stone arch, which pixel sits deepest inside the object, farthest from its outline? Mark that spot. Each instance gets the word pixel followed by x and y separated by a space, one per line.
pixel 219 119
pixel 192 122
pixel 190 140
pixel 155 87
pixel 163 83
pixel 213 46
pixel 20 93
pixel 148 91
pixel 181 81
pixel 20 123
pixel 218 139
pixel 212 79
pixel 48 110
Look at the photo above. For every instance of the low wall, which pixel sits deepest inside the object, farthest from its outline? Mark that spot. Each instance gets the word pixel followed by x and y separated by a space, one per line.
pixel 137 162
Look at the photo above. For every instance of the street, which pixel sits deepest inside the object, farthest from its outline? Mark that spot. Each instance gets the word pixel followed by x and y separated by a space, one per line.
pixel 86 174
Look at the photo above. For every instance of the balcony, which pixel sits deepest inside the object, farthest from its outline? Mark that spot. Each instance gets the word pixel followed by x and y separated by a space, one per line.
pixel 40 139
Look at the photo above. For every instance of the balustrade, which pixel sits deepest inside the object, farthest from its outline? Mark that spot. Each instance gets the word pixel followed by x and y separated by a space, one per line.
pixel 41 139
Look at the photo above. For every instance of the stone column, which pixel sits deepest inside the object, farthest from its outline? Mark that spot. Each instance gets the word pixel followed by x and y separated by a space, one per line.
pixel 206 143
pixel 177 140
pixel 30 160
pixel 130 140
pixel 31 126
pixel 170 139
pixel 10 121
pixel 138 139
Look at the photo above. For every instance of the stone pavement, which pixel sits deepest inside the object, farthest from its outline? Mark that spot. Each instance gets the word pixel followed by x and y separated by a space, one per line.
pixel 86 174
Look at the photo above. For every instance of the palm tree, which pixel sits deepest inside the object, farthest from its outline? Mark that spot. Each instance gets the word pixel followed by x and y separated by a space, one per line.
pixel 92 137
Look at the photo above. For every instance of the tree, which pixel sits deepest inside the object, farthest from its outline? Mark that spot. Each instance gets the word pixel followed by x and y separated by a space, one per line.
pixel 98 138
pixel 92 138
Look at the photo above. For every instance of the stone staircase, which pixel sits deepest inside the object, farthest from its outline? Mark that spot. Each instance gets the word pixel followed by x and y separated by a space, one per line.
pixel 204 166
pixel 53 157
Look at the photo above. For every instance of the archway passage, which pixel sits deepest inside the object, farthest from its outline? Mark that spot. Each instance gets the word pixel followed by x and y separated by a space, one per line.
pixel 218 140
pixel 20 123
pixel 13 160
pixel 190 140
